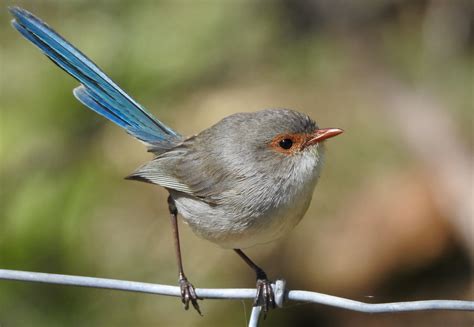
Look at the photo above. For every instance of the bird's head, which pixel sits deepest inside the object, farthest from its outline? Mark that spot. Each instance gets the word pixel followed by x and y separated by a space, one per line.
pixel 274 142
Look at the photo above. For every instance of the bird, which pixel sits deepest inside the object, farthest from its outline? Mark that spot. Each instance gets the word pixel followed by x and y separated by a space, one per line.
pixel 245 181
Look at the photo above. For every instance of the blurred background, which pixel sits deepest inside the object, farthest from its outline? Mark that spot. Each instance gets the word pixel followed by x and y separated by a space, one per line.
pixel 391 219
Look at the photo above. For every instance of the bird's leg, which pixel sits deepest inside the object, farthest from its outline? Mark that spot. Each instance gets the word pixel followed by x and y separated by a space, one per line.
pixel 265 296
pixel 188 293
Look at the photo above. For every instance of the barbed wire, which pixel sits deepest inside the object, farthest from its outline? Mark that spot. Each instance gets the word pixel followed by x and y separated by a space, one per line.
pixel 279 287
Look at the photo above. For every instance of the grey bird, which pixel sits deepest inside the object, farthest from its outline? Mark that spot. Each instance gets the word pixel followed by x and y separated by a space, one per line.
pixel 247 180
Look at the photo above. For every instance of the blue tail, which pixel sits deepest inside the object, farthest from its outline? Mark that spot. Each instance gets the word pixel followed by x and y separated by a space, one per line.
pixel 98 91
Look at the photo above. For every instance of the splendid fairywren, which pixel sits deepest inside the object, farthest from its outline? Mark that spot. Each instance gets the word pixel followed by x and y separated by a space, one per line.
pixel 246 180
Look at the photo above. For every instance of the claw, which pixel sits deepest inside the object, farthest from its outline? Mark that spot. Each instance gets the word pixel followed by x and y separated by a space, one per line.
pixel 265 296
pixel 188 294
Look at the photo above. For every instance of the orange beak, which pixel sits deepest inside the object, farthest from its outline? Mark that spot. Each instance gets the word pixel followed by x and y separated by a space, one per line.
pixel 322 134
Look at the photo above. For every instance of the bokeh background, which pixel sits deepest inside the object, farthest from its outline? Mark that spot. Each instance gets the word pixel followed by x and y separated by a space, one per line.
pixel 391 219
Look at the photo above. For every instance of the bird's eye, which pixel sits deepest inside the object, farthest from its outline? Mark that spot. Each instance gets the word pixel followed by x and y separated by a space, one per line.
pixel 286 144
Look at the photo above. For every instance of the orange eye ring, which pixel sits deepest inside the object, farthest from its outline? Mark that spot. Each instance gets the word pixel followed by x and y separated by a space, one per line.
pixel 288 143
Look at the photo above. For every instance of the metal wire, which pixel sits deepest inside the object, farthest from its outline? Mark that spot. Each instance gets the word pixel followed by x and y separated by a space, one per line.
pixel 281 294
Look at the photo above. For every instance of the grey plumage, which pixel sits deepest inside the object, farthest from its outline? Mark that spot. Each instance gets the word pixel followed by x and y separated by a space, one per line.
pixel 231 186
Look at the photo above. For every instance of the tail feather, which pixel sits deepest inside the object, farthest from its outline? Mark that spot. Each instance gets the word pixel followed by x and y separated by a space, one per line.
pixel 98 91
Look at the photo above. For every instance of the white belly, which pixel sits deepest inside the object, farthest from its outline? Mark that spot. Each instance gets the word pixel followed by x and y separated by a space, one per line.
pixel 256 210
pixel 230 230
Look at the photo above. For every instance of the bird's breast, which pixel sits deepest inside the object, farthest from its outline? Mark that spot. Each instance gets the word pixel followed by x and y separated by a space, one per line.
pixel 254 212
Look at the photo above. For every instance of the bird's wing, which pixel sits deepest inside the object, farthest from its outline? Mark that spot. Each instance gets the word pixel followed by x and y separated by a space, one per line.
pixel 98 91
pixel 189 171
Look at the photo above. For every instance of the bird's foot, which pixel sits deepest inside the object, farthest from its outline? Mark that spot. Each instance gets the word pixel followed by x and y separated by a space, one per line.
pixel 265 296
pixel 188 294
